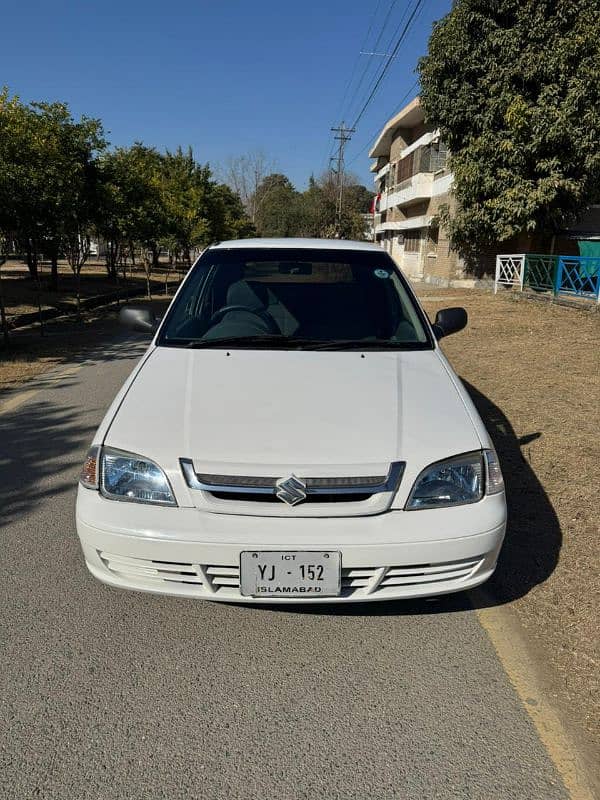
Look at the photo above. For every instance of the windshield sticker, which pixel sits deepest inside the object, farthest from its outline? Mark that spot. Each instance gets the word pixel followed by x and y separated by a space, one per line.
pixel 382 273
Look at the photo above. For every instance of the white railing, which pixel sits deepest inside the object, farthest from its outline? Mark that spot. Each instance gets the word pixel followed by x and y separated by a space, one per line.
pixel 510 271
pixel 417 187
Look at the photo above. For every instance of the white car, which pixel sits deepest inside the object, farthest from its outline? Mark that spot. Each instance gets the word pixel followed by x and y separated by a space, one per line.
pixel 293 434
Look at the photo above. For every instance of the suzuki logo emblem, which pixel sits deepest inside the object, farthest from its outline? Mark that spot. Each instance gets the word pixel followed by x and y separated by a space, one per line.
pixel 291 490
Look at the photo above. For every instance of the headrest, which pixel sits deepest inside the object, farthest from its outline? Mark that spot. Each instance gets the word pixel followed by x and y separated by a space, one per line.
pixel 242 293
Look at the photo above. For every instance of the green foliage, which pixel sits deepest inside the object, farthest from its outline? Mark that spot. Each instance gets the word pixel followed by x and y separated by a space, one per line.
pixel 276 207
pixel 227 215
pixel 59 185
pixel 48 175
pixel 283 211
pixel 514 86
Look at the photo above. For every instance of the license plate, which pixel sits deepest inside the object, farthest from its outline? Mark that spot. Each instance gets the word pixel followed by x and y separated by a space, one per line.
pixel 290 573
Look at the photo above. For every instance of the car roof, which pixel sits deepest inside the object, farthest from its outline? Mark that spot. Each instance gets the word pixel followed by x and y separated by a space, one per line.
pixel 293 244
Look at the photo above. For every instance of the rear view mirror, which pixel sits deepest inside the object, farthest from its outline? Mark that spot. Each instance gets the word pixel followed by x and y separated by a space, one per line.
pixel 140 319
pixel 295 268
pixel 449 320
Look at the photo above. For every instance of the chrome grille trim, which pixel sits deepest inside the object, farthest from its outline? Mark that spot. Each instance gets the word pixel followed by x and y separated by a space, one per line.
pixel 373 484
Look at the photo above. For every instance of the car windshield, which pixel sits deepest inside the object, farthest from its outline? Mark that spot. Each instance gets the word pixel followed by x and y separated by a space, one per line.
pixel 296 299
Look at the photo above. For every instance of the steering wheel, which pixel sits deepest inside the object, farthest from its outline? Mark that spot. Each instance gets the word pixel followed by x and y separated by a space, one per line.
pixel 258 312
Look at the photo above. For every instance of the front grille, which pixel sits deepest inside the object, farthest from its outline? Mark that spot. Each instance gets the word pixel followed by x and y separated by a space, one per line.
pixel 312 495
pixel 247 497
pixel 251 481
pixel 210 579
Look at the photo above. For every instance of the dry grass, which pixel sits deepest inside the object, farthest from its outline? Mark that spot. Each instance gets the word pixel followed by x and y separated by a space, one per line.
pixel 533 370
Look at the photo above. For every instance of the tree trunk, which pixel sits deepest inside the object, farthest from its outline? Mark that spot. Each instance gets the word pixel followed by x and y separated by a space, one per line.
pixel 112 259
pixel 3 319
pixel 39 301
pixel 32 264
pixel 78 278
pixel 148 284
pixel 54 271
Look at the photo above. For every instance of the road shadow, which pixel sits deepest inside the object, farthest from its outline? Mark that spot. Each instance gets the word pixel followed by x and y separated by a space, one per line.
pixel 36 447
pixel 41 441
pixel 533 540
pixel 531 548
pixel 69 343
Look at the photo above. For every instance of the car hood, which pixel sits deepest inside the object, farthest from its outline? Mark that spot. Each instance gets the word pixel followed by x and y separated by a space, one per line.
pixel 253 411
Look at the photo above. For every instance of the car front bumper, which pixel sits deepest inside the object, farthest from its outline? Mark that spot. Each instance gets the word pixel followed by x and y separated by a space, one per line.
pixel 190 553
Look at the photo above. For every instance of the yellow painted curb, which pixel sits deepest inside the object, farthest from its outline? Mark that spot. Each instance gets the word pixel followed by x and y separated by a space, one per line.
pixel 508 640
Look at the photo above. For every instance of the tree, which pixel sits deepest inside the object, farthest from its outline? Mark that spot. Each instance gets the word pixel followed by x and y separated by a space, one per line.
pixel 514 87
pixel 114 222
pixel 46 163
pixel 244 174
pixel 319 203
pixel 4 244
pixel 133 191
pixel 283 211
pixel 186 188
pixel 277 207
pixel 227 215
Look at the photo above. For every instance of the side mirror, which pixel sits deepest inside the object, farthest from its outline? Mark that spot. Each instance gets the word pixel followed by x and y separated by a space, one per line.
pixel 138 319
pixel 449 320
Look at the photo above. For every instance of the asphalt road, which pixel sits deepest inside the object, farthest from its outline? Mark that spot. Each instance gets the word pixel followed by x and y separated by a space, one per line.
pixel 111 694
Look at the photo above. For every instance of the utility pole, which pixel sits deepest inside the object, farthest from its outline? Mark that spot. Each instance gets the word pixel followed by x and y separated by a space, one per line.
pixel 343 136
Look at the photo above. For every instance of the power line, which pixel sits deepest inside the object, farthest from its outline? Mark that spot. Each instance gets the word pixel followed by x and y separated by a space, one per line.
pixel 331 149
pixel 388 62
pixel 376 134
pixel 390 45
pixel 368 65
pixel 377 78
pixel 357 59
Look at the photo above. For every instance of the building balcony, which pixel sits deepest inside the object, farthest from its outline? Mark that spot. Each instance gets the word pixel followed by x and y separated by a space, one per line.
pixel 417 187
pixel 422 186
pixel 382 172
pixel 422 221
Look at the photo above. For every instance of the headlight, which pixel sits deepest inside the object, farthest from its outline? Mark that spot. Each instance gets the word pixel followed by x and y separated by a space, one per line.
pixel 455 482
pixel 126 476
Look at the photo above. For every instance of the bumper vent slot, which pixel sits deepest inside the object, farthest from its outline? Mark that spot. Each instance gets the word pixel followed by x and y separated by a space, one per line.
pixel 210 579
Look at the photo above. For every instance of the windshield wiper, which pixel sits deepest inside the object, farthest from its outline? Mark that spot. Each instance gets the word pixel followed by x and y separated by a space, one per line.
pixel 282 342
pixel 364 344
pixel 266 339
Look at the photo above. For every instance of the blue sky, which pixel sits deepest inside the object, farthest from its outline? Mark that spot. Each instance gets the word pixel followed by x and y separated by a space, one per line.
pixel 224 77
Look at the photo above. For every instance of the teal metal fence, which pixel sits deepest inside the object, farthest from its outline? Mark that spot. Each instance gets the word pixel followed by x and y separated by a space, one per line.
pixel 540 271
pixel 577 276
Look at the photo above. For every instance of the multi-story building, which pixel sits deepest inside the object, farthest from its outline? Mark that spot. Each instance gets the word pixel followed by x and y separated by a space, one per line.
pixel 412 182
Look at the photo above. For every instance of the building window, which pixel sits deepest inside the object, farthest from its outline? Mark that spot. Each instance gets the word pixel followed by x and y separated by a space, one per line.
pixel 405 168
pixel 412 241
pixel 439 156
